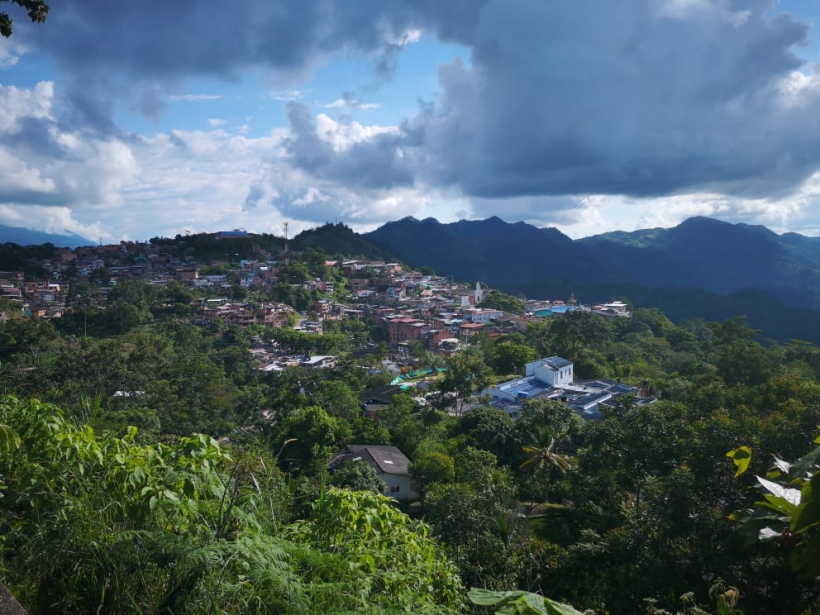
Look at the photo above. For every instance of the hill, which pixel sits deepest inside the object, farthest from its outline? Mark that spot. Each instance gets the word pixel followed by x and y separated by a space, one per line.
pixel 339 239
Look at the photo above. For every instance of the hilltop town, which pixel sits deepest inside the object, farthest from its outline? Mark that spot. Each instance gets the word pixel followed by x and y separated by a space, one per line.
pixel 414 309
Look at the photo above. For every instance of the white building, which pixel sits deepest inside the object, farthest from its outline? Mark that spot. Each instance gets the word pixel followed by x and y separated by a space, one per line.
pixel 554 371
pixel 482 315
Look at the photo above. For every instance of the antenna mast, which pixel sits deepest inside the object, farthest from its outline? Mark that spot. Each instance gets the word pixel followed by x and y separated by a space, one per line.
pixel 287 254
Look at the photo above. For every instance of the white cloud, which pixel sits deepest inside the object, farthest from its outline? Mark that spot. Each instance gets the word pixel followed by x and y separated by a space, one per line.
pixel 19 103
pixel 351 104
pixel 287 95
pixel 343 136
pixel 43 162
pixel 10 52
pixel 215 122
pixel 311 196
pixel 195 97
pixel 59 220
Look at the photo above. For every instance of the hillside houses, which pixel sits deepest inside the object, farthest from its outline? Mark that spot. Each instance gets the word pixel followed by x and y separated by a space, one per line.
pixel 412 308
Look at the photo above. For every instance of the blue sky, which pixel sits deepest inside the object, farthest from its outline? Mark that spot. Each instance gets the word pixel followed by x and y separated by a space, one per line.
pixel 126 121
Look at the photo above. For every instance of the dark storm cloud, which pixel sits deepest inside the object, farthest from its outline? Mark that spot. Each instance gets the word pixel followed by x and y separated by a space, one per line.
pixel 645 98
pixel 641 97
pixel 591 97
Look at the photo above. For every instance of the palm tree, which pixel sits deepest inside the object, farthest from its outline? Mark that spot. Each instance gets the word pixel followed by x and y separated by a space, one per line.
pixel 544 459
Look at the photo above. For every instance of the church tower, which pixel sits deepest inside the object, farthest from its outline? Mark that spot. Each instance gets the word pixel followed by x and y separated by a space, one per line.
pixel 479 294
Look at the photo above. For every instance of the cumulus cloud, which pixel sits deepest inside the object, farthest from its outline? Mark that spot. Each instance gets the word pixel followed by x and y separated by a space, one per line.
pixel 43 162
pixel 564 113
pixel 129 50
pixel 353 155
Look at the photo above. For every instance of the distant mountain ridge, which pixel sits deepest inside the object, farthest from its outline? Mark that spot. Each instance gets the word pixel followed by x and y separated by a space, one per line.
pixel 27 237
pixel 741 267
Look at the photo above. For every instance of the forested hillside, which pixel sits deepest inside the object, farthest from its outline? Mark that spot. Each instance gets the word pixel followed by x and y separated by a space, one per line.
pixel 111 502
pixel 701 268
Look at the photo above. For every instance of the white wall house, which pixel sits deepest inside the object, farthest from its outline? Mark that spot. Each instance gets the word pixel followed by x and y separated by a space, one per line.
pixel 554 371
pixel 479 315
pixel 390 464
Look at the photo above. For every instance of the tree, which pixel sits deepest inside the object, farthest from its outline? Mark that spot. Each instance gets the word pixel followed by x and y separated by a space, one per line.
pixel 576 330
pixel 466 375
pixel 499 301
pixel 315 434
pixel 432 468
pixel 543 429
pixel 510 357
pixel 489 429
pixel 476 521
pixel 544 459
pixel 36 10
pixel 83 296
pixel 359 476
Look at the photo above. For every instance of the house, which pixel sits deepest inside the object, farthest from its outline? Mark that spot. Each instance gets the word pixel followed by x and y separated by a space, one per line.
pixel 554 371
pixel 469 330
pixel 392 466
pixel 612 310
pixel 405 329
pixel 319 361
pixel 378 398
pixel 482 315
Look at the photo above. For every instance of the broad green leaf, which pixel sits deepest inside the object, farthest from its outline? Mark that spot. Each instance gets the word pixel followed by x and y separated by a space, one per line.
pixel 741 457
pixel 9 440
pixel 519 602
pixel 792 496
pixel 807 514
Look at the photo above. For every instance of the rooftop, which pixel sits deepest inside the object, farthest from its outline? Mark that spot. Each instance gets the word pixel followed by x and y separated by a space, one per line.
pixel 525 388
pixel 389 459
pixel 558 362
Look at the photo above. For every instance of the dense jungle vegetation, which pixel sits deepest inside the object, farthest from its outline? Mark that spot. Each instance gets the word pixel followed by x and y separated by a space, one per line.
pixel 141 473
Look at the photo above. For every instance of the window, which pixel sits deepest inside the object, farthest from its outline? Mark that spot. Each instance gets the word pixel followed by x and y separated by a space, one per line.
pixel 395 489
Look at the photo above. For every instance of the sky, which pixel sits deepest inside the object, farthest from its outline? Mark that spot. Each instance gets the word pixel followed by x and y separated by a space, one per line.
pixel 130 120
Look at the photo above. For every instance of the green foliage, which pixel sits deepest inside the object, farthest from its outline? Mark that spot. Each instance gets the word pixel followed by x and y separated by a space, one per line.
pixel 466 375
pixel 102 524
pixel 315 439
pixel 477 519
pixel 388 552
pixel 358 476
pixel 789 512
pixel 432 468
pixel 510 357
pixel 741 457
pixel 489 429
pixel 499 301
pixel 36 10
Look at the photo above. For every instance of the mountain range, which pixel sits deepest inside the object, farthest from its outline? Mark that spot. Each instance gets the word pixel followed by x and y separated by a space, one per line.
pixel 701 268
pixel 27 237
